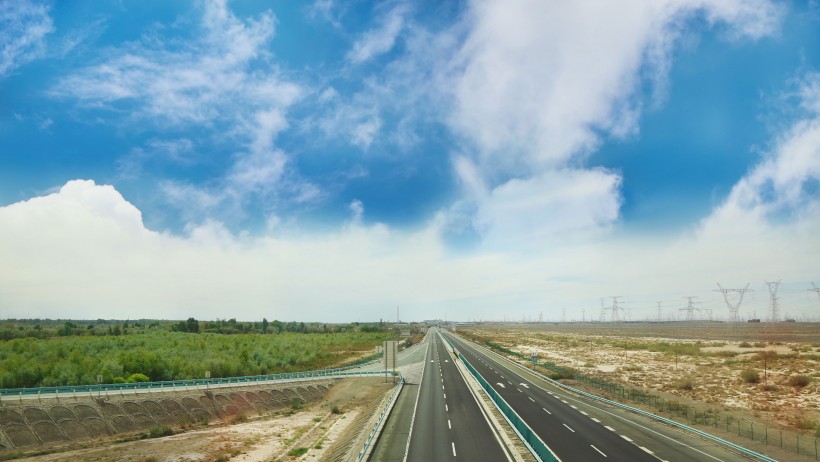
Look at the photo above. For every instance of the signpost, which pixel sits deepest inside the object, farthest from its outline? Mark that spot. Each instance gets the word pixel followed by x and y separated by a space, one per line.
pixel 390 359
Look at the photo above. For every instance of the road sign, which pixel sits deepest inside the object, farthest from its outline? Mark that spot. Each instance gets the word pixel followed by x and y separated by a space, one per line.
pixel 390 359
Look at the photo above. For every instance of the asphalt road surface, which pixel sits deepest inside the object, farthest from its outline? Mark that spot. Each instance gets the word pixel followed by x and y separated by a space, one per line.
pixel 449 425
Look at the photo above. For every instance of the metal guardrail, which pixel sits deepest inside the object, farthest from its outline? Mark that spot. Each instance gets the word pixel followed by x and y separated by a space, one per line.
pixel 385 411
pixel 534 443
pixel 174 384
pixel 671 422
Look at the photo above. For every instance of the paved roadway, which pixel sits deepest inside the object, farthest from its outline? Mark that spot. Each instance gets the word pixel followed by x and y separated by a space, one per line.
pixel 578 428
pixel 449 425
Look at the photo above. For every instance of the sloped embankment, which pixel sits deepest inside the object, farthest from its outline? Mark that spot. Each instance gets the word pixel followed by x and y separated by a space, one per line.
pixel 27 423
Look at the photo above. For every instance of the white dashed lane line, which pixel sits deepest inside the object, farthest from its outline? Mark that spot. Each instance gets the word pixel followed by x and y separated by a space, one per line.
pixel 573 431
pixel 545 410
pixel 626 438
pixel 599 451
pixel 609 428
pixel 530 397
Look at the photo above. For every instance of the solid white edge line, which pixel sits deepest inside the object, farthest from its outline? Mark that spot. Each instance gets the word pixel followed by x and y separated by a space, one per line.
pixel 415 408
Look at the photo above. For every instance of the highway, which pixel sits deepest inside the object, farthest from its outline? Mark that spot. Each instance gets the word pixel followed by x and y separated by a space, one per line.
pixel 448 423
pixel 577 428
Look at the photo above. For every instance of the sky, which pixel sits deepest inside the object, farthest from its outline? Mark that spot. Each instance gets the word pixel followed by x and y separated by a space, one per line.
pixel 464 160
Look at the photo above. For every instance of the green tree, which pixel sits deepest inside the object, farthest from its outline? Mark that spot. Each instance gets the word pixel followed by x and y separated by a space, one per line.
pixel 193 325
pixel 264 325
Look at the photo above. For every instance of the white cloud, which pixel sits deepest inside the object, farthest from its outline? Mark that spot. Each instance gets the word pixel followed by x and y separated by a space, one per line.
pixel 23 29
pixel 221 80
pixel 381 39
pixel 84 252
pixel 538 85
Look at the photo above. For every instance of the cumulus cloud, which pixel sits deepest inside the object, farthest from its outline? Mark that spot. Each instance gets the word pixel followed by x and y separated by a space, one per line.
pixel 537 87
pixel 84 252
pixel 23 29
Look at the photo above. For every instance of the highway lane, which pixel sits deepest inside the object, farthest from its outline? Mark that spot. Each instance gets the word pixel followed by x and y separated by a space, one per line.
pixel 665 442
pixel 448 423
pixel 570 434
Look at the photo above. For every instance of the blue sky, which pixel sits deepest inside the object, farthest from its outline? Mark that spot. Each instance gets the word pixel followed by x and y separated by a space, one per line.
pixel 330 160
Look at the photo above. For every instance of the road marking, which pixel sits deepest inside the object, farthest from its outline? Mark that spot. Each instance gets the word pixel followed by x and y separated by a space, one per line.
pixel 530 397
pixel 442 387
pixel 626 438
pixel 564 401
pixel 582 412
pixel 454 449
pixel 573 406
pixel 609 428
pixel 448 424
pixel 573 431
pixel 509 382
pixel 524 385
pixel 500 384
pixel 446 409
pixel 646 450
pixel 519 390
pixel 596 420
pixel 599 451
pixel 545 410
pixel 445 396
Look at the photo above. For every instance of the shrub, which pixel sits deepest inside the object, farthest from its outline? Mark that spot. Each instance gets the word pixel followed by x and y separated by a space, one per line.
pixel 745 345
pixel 750 376
pixel 297 452
pixel 769 387
pixel 335 409
pixel 804 423
pixel 686 383
pixel 137 378
pixel 159 431
pixel 295 404
pixel 799 380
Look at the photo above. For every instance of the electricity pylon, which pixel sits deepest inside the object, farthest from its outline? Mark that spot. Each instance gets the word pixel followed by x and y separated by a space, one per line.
pixel 774 310
pixel 734 308
pixel 690 309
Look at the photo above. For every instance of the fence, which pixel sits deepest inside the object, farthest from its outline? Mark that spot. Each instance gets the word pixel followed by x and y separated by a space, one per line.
pixel 174 384
pixel 385 412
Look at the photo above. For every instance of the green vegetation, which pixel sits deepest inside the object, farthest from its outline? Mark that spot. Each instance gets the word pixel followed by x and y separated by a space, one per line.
pixel 161 353
pixel 687 383
pixel 750 376
pixel 297 452
pixel 335 409
pixel 158 431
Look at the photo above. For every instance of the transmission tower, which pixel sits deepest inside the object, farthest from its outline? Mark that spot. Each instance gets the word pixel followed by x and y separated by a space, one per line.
pixel 603 311
pixel 690 309
pixel 659 310
pixel 774 310
pixel 615 309
pixel 815 289
pixel 734 308
pixel 564 316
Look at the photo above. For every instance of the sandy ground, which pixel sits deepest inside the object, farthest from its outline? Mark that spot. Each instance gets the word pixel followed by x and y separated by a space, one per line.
pixel 259 439
pixel 715 372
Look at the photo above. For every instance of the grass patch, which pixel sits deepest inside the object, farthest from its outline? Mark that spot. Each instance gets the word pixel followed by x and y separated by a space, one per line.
pixel 335 409
pixel 158 431
pixel 296 452
pixel 295 404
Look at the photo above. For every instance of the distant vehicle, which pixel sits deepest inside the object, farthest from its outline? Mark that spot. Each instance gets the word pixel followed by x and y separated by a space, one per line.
pixel 754 320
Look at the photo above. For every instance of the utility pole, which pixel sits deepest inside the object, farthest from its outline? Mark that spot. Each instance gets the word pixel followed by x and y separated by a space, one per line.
pixel 564 316
pixel 583 315
pixel 690 309
pixel 734 308
pixel 541 318
pixel 774 312
pixel 398 319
